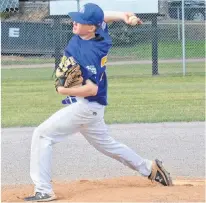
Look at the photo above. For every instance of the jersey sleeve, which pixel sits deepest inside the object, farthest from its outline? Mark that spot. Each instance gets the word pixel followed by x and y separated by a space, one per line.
pixel 90 73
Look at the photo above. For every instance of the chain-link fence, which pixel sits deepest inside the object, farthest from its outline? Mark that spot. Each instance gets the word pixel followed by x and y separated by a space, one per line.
pixel 33 39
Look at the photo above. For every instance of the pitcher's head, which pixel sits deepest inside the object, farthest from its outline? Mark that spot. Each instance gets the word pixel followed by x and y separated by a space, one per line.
pixel 87 19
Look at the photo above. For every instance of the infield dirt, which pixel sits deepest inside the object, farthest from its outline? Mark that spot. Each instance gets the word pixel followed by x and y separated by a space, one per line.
pixel 122 189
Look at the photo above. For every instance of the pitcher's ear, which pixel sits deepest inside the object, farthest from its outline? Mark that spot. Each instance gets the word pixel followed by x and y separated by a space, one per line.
pixel 92 28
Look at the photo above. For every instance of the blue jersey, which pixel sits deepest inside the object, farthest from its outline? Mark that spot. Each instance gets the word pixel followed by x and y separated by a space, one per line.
pixel 91 55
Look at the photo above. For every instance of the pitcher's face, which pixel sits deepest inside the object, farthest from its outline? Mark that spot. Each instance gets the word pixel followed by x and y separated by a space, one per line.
pixel 83 29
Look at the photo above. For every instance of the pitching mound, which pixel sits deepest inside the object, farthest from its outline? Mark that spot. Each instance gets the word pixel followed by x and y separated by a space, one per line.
pixel 124 189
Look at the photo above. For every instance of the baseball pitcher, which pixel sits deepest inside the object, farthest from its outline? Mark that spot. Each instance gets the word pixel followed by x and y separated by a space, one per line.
pixel 81 77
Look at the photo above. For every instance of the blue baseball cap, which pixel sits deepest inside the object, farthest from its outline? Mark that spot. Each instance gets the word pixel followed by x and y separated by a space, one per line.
pixel 90 14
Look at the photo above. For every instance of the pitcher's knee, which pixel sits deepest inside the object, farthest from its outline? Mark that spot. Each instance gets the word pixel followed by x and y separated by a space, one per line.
pixel 36 136
pixel 40 140
pixel 38 131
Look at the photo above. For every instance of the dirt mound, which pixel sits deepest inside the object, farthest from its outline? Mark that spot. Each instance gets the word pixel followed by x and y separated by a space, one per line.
pixel 124 189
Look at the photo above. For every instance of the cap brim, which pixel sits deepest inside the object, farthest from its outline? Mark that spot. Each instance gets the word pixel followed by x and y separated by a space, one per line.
pixel 77 17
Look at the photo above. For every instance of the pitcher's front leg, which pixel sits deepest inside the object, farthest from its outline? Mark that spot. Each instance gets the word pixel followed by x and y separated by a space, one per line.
pixel 99 138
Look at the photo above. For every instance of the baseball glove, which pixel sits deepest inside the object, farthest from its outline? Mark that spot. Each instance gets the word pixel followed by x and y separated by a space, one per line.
pixel 68 74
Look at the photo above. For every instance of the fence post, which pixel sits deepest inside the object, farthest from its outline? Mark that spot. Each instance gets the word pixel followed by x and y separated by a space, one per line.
pixel 57 40
pixel 178 22
pixel 78 5
pixel 183 38
pixel 154 46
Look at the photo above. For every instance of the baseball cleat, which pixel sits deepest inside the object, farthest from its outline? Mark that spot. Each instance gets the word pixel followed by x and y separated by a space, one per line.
pixel 159 174
pixel 40 197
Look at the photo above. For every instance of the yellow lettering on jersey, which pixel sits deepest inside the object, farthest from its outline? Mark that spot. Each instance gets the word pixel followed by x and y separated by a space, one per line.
pixel 103 61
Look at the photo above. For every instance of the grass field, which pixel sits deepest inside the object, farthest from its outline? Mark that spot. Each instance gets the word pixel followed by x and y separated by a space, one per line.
pixel 194 49
pixel 28 95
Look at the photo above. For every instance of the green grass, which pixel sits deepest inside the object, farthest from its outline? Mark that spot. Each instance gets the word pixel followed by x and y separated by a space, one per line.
pixel 163 69
pixel 167 50
pixel 28 95
pixel 156 99
pixel 14 60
